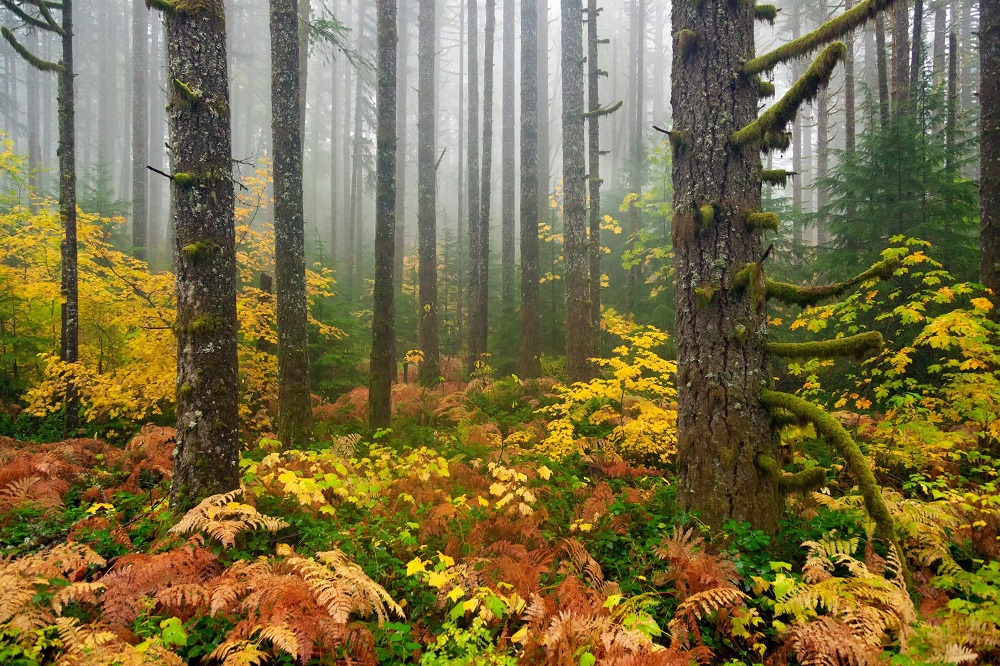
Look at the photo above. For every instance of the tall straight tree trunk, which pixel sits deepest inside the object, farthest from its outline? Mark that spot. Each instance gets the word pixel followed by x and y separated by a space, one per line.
pixel 530 355
pixel 951 115
pixel 822 151
pixel 917 55
pixel 594 164
pixel 383 357
pixel 140 129
pixel 294 407
pixel 473 166
pixel 542 76
pixel 636 147
pixel 334 149
pixel 576 248
pixel 69 349
pixel 850 122
pixel 346 147
pixel 901 57
pixel 34 127
pixel 357 187
pixel 966 59
pixel 304 11
pixel 883 68
pixel 479 318
pixel 507 196
pixel 460 224
pixel 989 146
pixel 797 149
pixel 156 140
pixel 430 368
pixel 206 460
pixel 940 42
pixel 402 90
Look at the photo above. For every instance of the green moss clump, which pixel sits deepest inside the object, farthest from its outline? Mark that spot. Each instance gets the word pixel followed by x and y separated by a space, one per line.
pixel 776 177
pixel 185 391
pixel 679 141
pixel 766 13
pixel 183 92
pixel 740 333
pixel 780 141
pixel 706 216
pixel 687 41
pixel 859 346
pixel 200 250
pixel 765 88
pixel 783 111
pixel 768 221
pixel 205 323
pixel 183 179
pixel 800 482
pixel 789 294
pixel 704 295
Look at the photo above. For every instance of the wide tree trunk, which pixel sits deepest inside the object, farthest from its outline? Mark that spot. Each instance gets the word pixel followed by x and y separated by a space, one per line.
pixel 140 129
pixel 722 426
pixel 989 145
pixel 294 407
pixel 507 160
pixel 901 58
pixel 383 357
pixel 473 166
pixel 206 460
pixel 430 368
pixel 576 248
pixel 917 54
pixel 530 356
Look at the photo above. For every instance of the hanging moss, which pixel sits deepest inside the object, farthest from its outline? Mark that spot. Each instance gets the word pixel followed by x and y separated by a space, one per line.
pixel 776 177
pixel 764 88
pixel 833 29
pixel 751 277
pixel 859 346
pixel 800 482
pixel 704 295
pixel 857 464
pixel 679 141
pixel 779 141
pixel 763 221
pixel 706 216
pixel 790 294
pixel 766 13
pixel 783 111
pixel 188 97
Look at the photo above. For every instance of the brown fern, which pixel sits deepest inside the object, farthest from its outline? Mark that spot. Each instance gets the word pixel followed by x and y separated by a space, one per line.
pixel 223 518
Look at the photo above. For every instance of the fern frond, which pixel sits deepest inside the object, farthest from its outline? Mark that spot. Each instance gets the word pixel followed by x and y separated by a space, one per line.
pixel 80 593
pixel 223 518
pixel 239 653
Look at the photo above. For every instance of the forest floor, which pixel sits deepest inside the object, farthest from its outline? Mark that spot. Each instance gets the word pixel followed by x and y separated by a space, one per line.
pixel 458 538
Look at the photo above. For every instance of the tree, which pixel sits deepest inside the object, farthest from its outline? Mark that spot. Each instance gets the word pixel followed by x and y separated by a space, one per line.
pixel 69 345
pixel 294 406
pixel 531 318
pixel 637 151
pixel 989 145
pixel 402 88
pixel 140 129
pixel 473 166
pixel 480 234
pixel 507 160
pixel 728 460
pixel 427 196
pixel 576 249
pixel 383 358
pixel 206 461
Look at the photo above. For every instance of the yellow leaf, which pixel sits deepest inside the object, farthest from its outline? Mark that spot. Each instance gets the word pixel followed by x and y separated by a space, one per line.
pixel 456 593
pixel 520 635
pixel 438 579
pixel 445 560
pixel 415 565
pixel 544 472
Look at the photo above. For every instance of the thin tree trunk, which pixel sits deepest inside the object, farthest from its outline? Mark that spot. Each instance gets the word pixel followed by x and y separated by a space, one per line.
pixel 294 408
pixel 797 150
pixel 507 220
pixel 70 339
pixel 354 223
pixel 901 57
pixel 402 90
pixel 951 119
pixel 850 123
pixel 156 140
pixel 430 369
pixel 462 168
pixel 917 55
pixel 473 166
pixel 822 150
pixel 989 145
pixel 383 357
pixel 594 164
pixel 637 147
pixel 34 118
pixel 334 148
pixel 140 129
pixel 304 10
pixel 940 41
pixel 206 460
pixel 479 319
pixel 542 76
pixel 531 344
pixel 576 248
pixel 883 68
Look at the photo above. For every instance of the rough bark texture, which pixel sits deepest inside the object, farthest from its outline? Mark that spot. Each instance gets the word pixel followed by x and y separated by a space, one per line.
pixel 850 124
pixel 140 128
pixel 294 407
pixel 883 68
pixel 722 365
pixel 427 196
pixel 383 358
pixel 989 145
pixel 206 460
pixel 594 164
pixel 34 127
pixel 636 146
pixel 917 55
pixel 69 346
pixel 507 160
pixel 473 166
pixel 530 355
pixel 901 57
pixel 542 92
pixel 479 315
pixel 402 89
pixel 576 248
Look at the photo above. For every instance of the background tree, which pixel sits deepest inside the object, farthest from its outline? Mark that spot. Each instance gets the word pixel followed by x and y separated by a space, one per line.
pixel 473 166
pixel 989 145
pixel 480 237
pixel 531 344
pixel 140 129
pixel 507 220
pixel 294 406
pixel 427 196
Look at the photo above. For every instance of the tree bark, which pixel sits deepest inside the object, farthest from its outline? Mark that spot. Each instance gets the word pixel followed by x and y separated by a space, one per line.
pixel 34 129
pixel 507 220
pixel 951 115
pixel 531 321
pixel 989 146
pixel 357 186
pixel 430 369
pixel 940 41
pixel 917 55
pixel 70 339
pixel 850 122
pixel 637 148
pixel 479 315
pixel 473 166
pixel 901 58
pixel 335 173
pixel 542 78
pixel 594 164
pixel 294 406
pixel 206 460
pixel 383 357
pixel 460 222
pixel 576 248
pixel 883 68
pixel 402 90
pixel 140 129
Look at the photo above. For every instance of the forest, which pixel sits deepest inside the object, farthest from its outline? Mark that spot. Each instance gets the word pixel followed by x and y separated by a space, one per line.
pixel 495 332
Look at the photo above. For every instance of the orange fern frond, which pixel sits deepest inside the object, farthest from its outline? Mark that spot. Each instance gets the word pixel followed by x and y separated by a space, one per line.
pixel 223 518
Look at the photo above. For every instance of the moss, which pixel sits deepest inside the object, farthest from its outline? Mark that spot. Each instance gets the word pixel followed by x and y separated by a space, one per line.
pixel 683 227
pixel 783 111
pixel 29 57
pixel 789 294
pixel 751 277
pixel 706 216
pixel 183 179
pixel 800 482
pixel 766 13
pixel 833 29
pixel 776 177
pixel 205 323
pixel 704 295
pixel 859 346
pixel 740 333
pixel 765 88
pixel 200 250
pixel 687 40
pixel 185 391
pixel 857 464
pixel 780 141
pixel 763 221
pixel 187 97
pixel 679 141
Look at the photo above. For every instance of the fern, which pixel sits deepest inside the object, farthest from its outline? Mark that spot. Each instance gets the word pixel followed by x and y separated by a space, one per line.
pixel 223 518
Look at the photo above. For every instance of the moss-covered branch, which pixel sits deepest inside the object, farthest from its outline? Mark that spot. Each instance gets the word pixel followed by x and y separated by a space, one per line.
pixel 605 111
pixel 833 29
pixel 858 346
pixel 848 449
pixel 800 482
pixel 28 19
pixel 765 88
pixel 776 177
pixel 53 25
pixel 31 58
pixel 789 294
pixel 768 221
pixel 783 111
pixel 766 13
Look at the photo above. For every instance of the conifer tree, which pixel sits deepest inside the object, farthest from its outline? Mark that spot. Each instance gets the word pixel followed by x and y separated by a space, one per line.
pixel 728 457
pixel 507 160
pixel 480 234
pixel 989 145
pixel 38 15
pixel 294 407
pixel 427 196
pixel 530 357
pixel 140 129
pixel 206 461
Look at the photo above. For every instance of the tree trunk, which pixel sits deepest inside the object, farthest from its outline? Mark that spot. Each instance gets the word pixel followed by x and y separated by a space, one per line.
pixel 542 77
pixel 917 55
pixel 140 129
pixel 797 150
pixel 206 460
pixel 460 222
pixel 722 426
pixel 383 358
pixel 594 164
pixel 357 187
pixel 69 349
pixel 334 149
pixel 940 41
pixel 822 152
pixel 302 33
pixel 901 57
pixel 507 197
pixel 850 123
pixel 531 321
pixel 637 148
pixel 989 145
pixel 34 128
pixel 576 248
pixel 479 316
pixel 951 116
pixel 402 89
pixel 430 369
pixel 473 165
pixel 294 407
pixel 883 68
pixel 156 140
